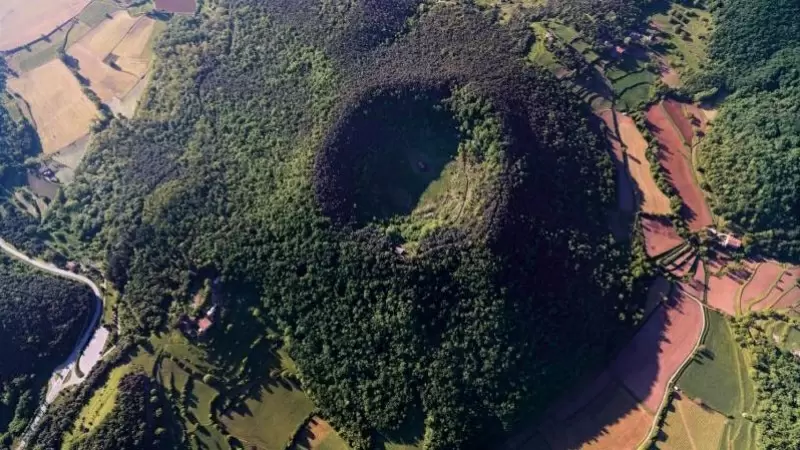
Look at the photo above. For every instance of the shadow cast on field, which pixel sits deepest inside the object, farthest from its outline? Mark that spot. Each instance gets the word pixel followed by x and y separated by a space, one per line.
pixel 616 408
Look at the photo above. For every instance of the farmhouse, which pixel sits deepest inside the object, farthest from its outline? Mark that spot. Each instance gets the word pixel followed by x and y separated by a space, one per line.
pixel 726 240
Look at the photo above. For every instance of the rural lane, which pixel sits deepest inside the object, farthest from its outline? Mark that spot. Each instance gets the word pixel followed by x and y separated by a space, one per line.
pixel 60 373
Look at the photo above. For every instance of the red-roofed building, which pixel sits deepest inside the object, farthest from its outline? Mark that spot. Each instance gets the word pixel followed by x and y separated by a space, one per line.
pixel 203 325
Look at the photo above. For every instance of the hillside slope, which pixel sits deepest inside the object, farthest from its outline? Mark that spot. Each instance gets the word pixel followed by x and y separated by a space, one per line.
pixel 286 147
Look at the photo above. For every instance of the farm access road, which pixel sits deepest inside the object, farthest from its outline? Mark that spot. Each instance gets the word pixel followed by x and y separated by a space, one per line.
pixel 59 380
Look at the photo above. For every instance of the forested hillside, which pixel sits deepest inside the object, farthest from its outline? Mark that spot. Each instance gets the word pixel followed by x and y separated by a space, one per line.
pixel 41 318
pixel 751 158
pixel 17 142
pixel 481 283
pixel 777 377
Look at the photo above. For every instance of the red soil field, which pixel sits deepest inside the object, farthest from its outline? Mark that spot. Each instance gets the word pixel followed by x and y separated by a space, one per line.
pixel 678 169
pixel 659 349
pixel 696 287
pixel 723 292
pixel 176 6
pixel 659 235
pixel 789 299
pixel 676 114
pixel 766 275
pixel 699 117
pixel 610 420
pixel 776 298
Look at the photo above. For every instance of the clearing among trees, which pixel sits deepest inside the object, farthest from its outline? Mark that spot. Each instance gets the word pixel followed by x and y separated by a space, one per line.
pixel 61 112
pixel 24 21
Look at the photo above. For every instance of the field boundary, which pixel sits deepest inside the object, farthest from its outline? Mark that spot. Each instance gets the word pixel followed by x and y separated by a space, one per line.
pixel 764 295
pixel 656 426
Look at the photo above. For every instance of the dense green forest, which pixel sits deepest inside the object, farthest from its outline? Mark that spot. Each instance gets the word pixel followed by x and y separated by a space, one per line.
pixel 777 377
pixel 17 143
pixel 482 283
pixel 751 158
pixel 41 317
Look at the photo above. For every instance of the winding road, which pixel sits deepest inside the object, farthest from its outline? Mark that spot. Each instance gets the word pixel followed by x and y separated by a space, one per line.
pixel 64 375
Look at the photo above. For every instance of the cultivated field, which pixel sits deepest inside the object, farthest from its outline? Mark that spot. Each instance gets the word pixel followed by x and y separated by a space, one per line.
pixel 24 21
pixel 611 419
pixel 61 112
pixel 674 159
pixel 176 6
pixel 625 135
pixel 319 435
pixel 115 55
pixel 690 426
pixel 675 113
pixel 718 375
pixel 767 275
pixel 659 235
pixel 725 288
pixel 659 348
pixel 614 410
pixel 41 52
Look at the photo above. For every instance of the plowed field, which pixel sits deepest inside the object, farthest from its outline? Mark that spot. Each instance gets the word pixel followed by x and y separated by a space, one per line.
pixel 658 350
pixel 24 21
pixel 674 159
pixel 659 235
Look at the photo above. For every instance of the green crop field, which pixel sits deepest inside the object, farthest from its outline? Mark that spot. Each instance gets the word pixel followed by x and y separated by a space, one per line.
pixel 633 88
pixel 98 11
pixel 718 375
pixel 271 417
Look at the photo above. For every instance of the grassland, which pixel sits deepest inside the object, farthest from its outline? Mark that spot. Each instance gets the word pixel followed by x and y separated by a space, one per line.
pixel 686 30
pixel 257 421
pixel 539 54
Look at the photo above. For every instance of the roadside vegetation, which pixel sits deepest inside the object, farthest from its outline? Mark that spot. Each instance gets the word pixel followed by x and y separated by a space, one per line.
pixel 41 318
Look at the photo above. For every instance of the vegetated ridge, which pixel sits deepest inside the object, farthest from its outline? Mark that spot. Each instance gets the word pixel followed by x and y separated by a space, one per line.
pixel 481 282
pixel 41 318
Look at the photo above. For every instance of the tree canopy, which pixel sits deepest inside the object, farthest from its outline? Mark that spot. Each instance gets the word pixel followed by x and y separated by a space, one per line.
pixel 219 174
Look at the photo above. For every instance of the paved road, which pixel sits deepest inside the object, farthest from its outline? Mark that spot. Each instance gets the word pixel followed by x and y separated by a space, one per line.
pixel 58 378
